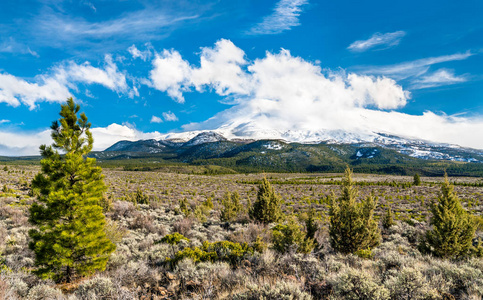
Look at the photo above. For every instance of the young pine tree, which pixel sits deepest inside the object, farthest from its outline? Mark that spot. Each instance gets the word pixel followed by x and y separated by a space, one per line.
pixel 69 239
pixel 387 219
pixel 416 179
pixel 291 236
pixel 453 227
pixel 352 227
pixel 267 208
pixel 231 206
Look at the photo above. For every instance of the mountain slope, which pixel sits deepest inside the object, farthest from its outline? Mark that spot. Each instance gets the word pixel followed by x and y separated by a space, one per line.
pixel 387 154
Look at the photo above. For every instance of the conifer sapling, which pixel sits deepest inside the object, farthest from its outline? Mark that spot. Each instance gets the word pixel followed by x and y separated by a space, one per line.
pixel 352 227
pixel 69 238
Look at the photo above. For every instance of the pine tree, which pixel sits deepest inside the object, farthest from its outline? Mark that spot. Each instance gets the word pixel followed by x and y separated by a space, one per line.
pixel 453 227
pixel 231 206
pixel 387 219
pixel 352 227
pixel 416 179
pixel 69 239
pixel 291 236
pixel 311 224
pixel 267 208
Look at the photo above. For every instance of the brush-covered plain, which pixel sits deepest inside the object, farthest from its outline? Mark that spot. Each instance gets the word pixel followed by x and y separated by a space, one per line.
pixel 177 238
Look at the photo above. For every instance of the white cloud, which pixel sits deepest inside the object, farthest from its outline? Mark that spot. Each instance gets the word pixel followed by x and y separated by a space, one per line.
pixel 105 137
pixel 381 92
pixel 15 91
pixel 169 116
pixel 27 143
pixel 280 92
pixel 3 121
pixel 285 16
pixel 170 73
pixel 155 119
pixel 109 77
pixel 438 78
pixel 275 77
pixel 55 87
pixel 22 143
pixel 221 69
pixel 414 68
pixel 62 30
pixel 136 53
pixel 378 40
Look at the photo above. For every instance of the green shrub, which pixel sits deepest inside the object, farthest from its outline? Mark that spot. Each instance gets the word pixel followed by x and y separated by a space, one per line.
pixel 416 179
pixel 267 208
pixel 311 224
pixel 173 239
pixel 231 206
pixel 291 235
pixel 364 253
pixel 259 245
pixel 184 207
pixel 453 228
pixel 224 251
pixel 387 219
pixel 352 226
pixel 140 197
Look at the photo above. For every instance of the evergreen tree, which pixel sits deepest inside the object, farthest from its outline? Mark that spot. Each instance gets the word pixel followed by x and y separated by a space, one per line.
pixel 231 206
pixel 69 239
pixel 387 219
pixel 352 227
pixel 453 227
pixel 311 224
pixel 267 208
pixel 291 236
pixel 416 179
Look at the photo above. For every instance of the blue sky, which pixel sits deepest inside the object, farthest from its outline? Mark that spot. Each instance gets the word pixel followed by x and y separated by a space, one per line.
pixel 144 68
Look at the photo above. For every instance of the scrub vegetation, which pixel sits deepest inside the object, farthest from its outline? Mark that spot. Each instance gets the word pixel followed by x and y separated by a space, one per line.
pixel 217 251
pixel 172 234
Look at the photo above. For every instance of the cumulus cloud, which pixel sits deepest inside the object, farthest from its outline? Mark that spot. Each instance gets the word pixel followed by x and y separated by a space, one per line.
pixel 109 77
pixel 105 137
pixel 15 91
pixel 27 143
pixel 378 40
pixel 285 16
pixel 221 69
pixel 170 73
pixel 155 119
pixel 277 77
pixel 57 86
pixel 283 93
pixel 169 116
pixel 438 78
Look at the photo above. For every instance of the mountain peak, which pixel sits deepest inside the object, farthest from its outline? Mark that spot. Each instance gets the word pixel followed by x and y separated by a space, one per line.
pixel 205 137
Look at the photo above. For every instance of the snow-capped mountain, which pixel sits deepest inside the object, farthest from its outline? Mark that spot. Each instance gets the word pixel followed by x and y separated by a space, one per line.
pixel 246 133
pixel 205 137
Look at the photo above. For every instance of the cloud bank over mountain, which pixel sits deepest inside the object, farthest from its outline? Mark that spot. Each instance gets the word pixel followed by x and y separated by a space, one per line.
pixel 281 92
pixel 278 95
